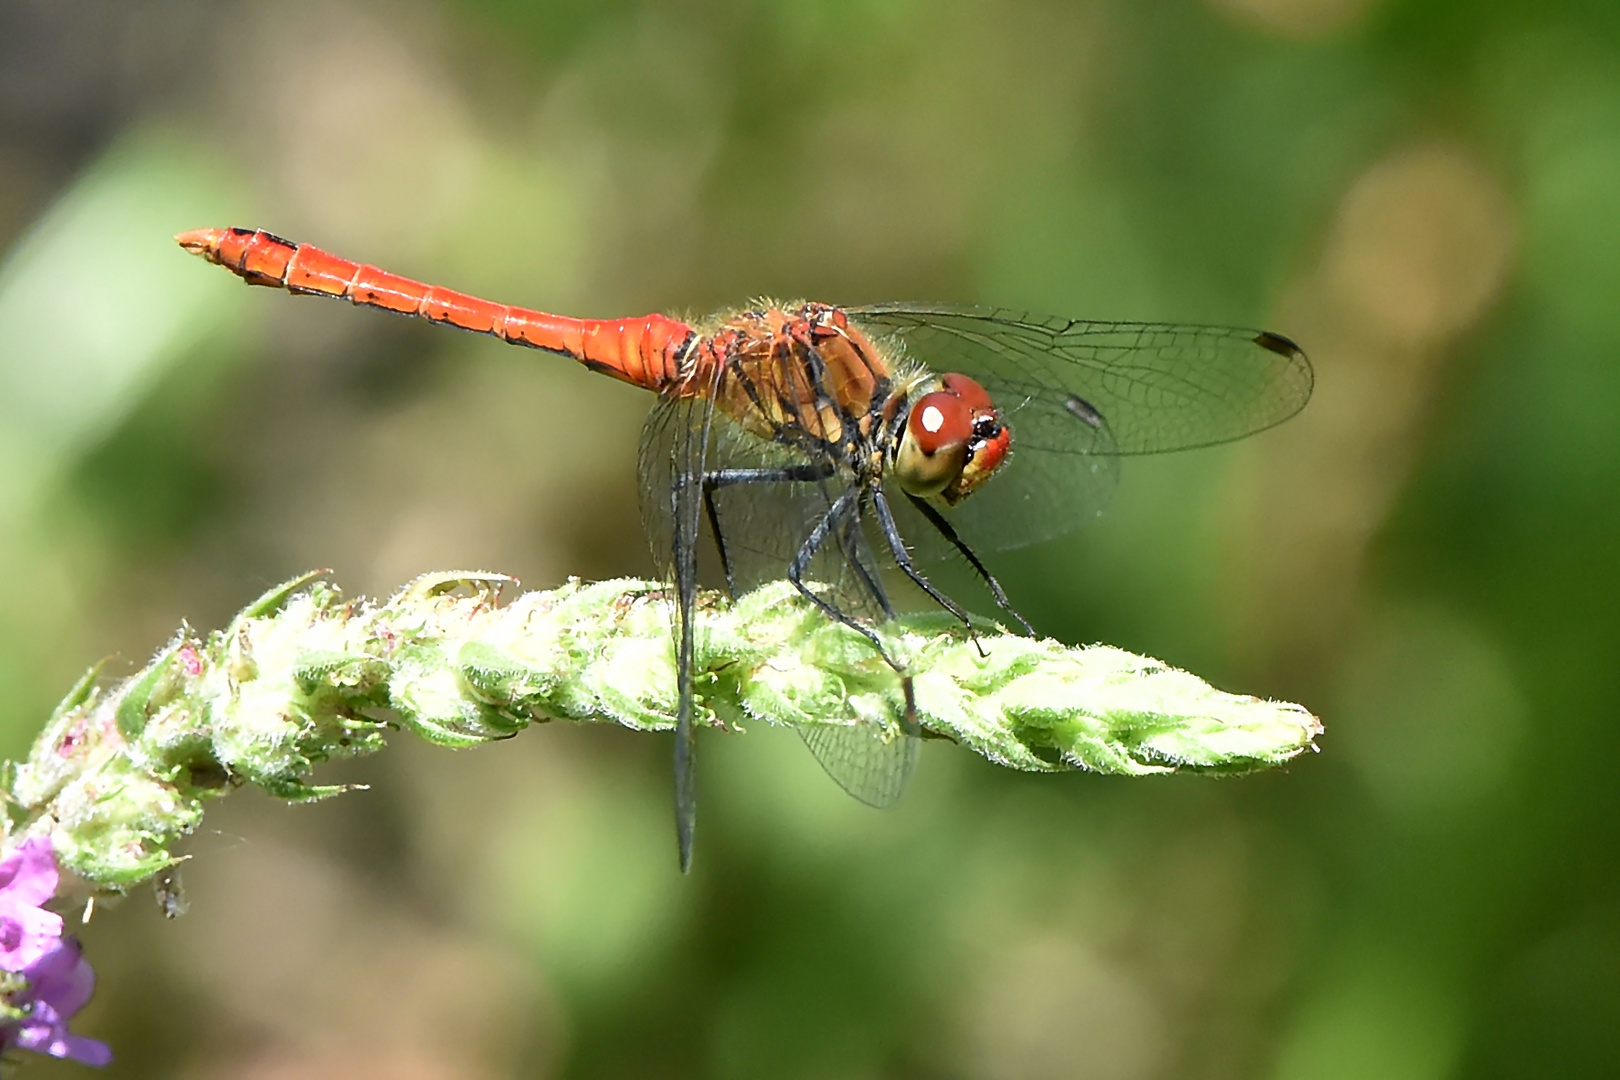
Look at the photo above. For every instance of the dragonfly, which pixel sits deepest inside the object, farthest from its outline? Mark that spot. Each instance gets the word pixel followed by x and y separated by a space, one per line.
pixel 844 448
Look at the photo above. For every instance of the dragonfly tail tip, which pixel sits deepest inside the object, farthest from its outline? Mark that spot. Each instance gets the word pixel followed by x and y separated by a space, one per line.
pixel 203 242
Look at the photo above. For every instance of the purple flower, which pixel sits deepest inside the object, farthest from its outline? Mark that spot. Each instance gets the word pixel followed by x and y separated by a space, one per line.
pixel 57 979
pixel 59 984
pixel 27 879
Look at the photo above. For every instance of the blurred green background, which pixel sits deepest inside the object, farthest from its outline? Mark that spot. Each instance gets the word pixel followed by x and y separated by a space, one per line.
pixel 1425 194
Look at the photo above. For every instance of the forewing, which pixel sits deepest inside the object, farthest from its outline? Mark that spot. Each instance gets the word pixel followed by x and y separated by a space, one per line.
pixel 1077 395
pixel 1157 386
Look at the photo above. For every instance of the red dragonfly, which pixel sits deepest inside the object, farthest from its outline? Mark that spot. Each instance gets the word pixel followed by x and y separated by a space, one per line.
pixel 830 444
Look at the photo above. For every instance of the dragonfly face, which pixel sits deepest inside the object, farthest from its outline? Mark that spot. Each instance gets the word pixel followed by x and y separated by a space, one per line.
pixel 952 442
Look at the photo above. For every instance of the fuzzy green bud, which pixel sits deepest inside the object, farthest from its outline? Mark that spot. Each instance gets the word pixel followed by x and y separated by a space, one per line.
pixel 303 676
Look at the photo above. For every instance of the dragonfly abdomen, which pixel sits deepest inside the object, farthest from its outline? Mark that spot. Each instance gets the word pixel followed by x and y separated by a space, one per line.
pixel 644 351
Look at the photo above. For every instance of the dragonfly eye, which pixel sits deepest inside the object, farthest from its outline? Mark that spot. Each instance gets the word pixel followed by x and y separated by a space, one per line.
pixel 953 440
pixel 990 441
pixel 974 396
pixel 934 445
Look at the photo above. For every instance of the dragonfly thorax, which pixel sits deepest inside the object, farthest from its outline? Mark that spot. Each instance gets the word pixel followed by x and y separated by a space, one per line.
pixel 799 374
pixel 952 441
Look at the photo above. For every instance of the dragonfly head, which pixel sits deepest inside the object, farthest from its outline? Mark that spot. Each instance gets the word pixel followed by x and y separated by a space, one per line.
pixel 953 440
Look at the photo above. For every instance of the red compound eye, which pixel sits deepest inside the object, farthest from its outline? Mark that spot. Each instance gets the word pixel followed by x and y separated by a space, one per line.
pixel 974 396
pixel 953 441
pixel 940 420
pixel 930 456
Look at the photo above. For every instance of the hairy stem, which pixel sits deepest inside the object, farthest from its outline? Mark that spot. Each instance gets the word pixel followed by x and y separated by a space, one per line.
pixel 303 676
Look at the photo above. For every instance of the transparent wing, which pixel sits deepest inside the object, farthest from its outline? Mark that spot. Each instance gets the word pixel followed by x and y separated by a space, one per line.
pixel 873 770
pixel 1077 395
pixel 671 458
pixel 1157 386
pixel 761 522
pixel 1035 495
pixel 666 452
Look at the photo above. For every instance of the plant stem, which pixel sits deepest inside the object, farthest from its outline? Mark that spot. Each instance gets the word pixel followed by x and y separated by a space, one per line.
pixel 303 675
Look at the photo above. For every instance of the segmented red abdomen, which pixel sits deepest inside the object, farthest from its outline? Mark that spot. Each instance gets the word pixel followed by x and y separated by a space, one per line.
pixel 646 351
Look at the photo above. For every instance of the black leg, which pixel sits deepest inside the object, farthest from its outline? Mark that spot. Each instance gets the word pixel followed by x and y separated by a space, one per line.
pixel 832 520
pixel 937 520
pixel 818 536
pixel 720 478
pixel 787 474
pixel 897 548
pixel 719 538
pixel 849 540
pixel 908 722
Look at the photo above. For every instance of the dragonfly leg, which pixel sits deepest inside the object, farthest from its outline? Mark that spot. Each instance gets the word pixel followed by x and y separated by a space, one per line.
pixel 832 520
pixel 908 723
pixel 874 587
pixel 937 520
pixel 897 548
pixel 818 536
pixel 720 478
pixel 719 538
pixel 849 542
pixel 793 473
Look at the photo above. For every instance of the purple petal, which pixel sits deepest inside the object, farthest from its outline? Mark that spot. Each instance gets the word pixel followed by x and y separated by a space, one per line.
pixel 59 984
pixel 88 1050
pixel 40 1029
pixel 28 872
pixel 27 935
pixel 45 1032
pixel 63 979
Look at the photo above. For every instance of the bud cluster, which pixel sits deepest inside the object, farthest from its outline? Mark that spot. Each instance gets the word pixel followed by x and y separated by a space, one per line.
pixel 304 675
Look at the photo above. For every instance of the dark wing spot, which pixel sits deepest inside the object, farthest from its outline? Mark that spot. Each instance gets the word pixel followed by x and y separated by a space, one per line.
pixel 1278 344
pixel 1083 410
